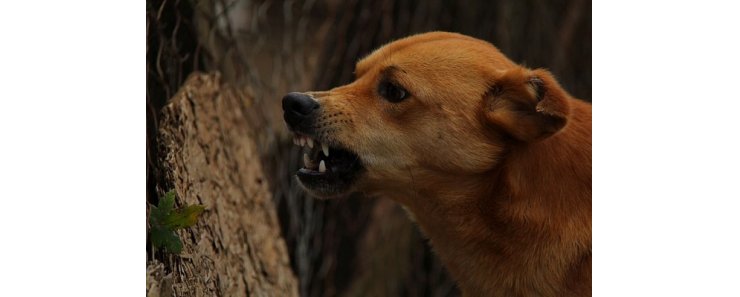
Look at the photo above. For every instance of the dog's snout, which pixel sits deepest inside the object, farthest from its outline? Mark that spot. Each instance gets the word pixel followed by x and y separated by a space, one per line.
pixel 297 107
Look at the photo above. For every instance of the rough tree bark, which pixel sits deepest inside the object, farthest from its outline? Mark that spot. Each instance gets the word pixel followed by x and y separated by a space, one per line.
pixel 208 157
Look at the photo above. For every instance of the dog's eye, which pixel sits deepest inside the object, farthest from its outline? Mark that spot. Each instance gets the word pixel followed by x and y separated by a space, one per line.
pixel 392 92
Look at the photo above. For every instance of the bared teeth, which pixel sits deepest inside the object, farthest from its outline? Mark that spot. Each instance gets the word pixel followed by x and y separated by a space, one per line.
pixel 325 149
pixel 322 167
pixel 302 140
pixel 306 160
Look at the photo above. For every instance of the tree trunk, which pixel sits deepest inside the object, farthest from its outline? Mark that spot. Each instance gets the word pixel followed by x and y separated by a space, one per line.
pixel 208 157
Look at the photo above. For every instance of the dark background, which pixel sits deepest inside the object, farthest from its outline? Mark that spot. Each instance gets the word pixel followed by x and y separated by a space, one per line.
pixel 356 246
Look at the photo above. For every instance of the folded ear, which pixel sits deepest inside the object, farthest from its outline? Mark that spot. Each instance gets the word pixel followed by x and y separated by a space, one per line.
pixel 527 104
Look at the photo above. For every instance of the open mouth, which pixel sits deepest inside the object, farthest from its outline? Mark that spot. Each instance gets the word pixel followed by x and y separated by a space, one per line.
pixel 328 170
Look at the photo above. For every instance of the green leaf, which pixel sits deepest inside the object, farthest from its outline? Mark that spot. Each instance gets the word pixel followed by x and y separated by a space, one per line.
pixel 166 204
pixel 164 219
pixel 167 239
pixel 184 217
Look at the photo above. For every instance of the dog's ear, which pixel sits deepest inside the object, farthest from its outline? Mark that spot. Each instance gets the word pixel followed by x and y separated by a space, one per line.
pixel 527 104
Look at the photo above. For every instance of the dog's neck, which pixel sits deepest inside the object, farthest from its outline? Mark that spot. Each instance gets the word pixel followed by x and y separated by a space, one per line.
pixel 539 206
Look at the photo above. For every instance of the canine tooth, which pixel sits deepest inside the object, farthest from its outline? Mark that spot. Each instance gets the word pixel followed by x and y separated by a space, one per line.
pixel 306 160
pixel 303 141
pixel 309 140
pixel 322 167
pixel 325 148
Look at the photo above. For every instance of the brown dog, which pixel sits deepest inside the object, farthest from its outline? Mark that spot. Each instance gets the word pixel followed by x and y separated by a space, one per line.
pixel 492 160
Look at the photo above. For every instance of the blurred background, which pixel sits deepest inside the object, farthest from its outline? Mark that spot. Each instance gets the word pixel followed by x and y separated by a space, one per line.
pixel 354 246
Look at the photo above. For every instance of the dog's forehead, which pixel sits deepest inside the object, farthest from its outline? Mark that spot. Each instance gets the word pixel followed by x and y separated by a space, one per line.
pixel 433 47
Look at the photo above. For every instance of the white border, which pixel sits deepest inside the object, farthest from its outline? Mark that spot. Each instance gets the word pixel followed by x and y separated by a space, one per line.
pixel 666 148
pixel 72 154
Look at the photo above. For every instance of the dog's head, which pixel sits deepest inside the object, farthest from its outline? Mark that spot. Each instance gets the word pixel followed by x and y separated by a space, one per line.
pixel 435 104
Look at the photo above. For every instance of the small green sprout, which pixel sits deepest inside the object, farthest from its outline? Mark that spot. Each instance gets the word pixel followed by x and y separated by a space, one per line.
pixel 164 220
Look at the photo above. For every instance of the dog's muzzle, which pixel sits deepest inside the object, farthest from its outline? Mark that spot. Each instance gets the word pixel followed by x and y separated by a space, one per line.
pixel 329 168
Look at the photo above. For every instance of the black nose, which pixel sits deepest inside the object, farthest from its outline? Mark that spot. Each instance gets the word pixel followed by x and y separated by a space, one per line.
pixel 297 108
